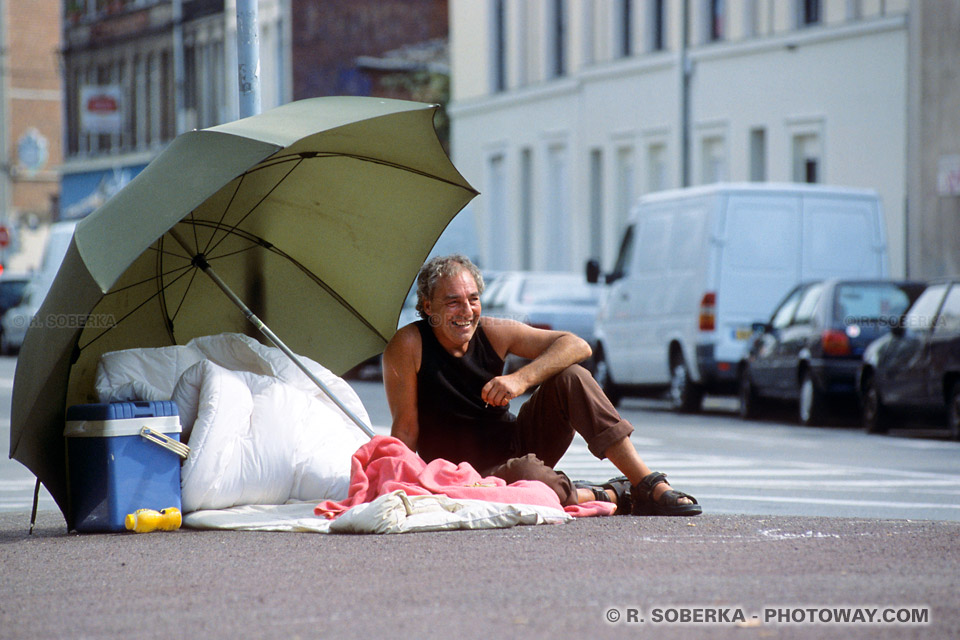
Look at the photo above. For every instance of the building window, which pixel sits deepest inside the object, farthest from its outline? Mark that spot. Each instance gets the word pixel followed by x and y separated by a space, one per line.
pixel 806 158
pixel 499 42
pixel 498 253
pixel 808 12
pixel 657 22
pixel 559 39
pixel 717 16
pixel 626 28
pixel 758 154
pixel 556 248
pixel 626 189
pixel 526 209
pixel 657 167
pixel 751 19
pixel 596 203
pixel 713 164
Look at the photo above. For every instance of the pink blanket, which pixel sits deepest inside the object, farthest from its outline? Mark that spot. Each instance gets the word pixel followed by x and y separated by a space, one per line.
pixel 385 464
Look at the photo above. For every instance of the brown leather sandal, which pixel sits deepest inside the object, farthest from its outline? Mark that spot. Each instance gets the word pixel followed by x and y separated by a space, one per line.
pixel 667 505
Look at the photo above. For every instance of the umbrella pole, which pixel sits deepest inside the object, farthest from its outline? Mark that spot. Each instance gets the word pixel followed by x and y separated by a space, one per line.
pixel 200 261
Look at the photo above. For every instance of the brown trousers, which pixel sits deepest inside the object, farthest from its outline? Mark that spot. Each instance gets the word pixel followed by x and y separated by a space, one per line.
pixel 569 402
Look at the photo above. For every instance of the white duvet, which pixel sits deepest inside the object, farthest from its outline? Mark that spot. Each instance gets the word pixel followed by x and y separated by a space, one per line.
pixel 259 430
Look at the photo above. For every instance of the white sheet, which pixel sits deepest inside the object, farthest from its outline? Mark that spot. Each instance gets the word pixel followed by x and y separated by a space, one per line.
pixel 394 512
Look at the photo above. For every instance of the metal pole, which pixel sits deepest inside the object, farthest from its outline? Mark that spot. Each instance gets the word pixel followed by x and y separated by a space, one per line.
pixel 248 57
pixel 686 70
pixel 178 70
pixel 200 261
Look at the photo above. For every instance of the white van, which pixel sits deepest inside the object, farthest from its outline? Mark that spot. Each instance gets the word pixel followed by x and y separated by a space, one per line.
pixel 16 321
pixel 699 266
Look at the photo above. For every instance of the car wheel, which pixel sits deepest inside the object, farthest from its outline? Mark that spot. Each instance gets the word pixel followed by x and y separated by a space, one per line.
pixel 873 414
pixel 953 411
pixel 685 395
pixel 605 380
pixel 812 409
pixel 749 401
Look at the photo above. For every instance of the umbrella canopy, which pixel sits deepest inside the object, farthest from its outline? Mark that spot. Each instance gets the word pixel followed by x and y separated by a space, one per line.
pixel 318 214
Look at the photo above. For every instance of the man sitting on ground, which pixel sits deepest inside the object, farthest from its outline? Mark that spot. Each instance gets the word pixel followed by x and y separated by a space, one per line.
pixel 449 399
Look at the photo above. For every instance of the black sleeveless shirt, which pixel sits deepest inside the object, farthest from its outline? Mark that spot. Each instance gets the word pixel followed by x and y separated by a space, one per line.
pixel 455 424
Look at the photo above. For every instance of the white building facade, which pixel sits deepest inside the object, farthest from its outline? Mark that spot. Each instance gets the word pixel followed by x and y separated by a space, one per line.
pixel 564 112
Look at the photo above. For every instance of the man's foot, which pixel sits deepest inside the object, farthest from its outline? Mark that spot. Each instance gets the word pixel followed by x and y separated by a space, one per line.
pixel 648 499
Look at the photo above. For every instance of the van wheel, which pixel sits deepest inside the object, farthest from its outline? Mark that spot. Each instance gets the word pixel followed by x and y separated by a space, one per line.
pixel 812 409
pixel 873 414
pixel 605 380
pixel 685 395
pixel 953 411
pixel 749 401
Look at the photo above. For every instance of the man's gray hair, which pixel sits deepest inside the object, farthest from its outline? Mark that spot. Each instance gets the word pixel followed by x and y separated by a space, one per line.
pixel 442 267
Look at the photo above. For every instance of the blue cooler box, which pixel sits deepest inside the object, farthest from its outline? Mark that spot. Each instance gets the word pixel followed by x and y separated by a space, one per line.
pixel 113 470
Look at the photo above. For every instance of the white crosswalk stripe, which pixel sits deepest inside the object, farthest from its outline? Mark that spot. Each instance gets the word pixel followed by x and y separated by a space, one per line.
pixel 728 484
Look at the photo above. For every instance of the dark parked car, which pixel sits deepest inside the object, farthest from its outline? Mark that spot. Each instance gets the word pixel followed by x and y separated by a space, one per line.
pixel 810 350
pixel 916 367
pixel 12 288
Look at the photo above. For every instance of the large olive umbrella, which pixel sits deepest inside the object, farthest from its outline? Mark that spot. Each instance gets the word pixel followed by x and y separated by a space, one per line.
pixel 316 215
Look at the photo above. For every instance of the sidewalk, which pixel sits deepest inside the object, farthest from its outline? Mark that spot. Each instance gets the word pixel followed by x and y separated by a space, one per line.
pixel 559 581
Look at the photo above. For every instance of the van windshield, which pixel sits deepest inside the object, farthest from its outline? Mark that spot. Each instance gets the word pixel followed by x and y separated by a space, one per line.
pixel 625 257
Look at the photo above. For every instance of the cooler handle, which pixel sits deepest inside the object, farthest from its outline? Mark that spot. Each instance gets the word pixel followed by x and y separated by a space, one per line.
pixel 165 441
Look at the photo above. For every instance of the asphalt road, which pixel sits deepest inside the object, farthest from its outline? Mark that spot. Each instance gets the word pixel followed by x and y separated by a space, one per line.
pixel 550 581
pixel 763 561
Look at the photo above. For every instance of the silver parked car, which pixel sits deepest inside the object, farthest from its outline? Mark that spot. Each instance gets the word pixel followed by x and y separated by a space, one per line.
pixel 16 321
pixel 548 300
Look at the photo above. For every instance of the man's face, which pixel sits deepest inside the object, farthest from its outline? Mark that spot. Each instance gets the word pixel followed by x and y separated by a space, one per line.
pixel 454 310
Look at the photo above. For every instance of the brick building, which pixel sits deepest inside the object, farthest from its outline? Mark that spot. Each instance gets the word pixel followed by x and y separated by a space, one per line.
pixel 328 37
pixel 30 124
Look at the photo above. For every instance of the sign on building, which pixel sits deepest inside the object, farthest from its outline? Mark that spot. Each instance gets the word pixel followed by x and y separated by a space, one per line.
pixel 101 109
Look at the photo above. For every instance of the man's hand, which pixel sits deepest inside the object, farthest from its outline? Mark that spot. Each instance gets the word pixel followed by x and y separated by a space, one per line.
pixel 550 352
pixel 502 389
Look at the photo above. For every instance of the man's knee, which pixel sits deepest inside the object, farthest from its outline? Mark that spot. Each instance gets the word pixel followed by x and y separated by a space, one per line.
pixel 572 376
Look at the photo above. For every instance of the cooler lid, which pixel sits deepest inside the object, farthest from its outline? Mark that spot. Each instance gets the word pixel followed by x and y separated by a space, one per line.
pixel 120 427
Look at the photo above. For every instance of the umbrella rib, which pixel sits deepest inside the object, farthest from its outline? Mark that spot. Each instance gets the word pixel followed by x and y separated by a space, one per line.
pixel 148 280
pixel 169 253
pixel 253 245
pixel 196 240
pixel 252 209
pixel 223 215
pixel 130 313
pixel 183 299
pixel 385 163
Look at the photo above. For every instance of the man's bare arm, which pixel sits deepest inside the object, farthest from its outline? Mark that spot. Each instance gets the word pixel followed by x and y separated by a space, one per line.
pixel 401 360
pixel 550 353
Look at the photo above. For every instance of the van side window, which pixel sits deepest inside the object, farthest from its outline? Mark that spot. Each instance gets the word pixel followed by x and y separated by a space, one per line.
pixel 625 257
pixel 785 312
pixel 808 303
